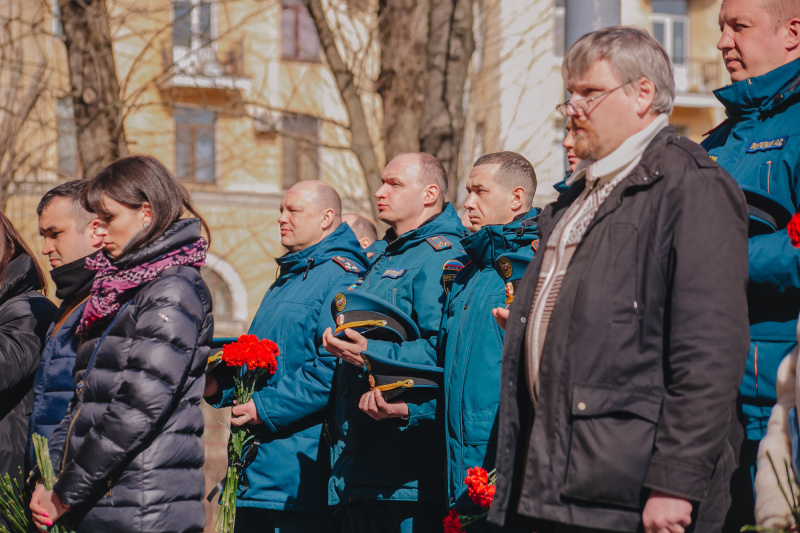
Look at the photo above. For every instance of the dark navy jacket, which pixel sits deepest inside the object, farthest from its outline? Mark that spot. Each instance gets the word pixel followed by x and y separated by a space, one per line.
pixel 292 465
pixel 470 346
pixel 53 386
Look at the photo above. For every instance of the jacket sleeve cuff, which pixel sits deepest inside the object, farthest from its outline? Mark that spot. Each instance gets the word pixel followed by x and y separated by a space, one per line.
pixel 678 478
pixel 419 413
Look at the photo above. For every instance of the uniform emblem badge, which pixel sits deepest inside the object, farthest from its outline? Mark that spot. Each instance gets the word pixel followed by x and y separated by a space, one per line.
pixel 509 292
pixel 505 267
pixel 341 302
pixel 535 245
pixel 339 320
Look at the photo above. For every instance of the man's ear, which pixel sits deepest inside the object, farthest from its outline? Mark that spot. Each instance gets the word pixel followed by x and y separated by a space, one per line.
pixel 327 219
pixel 517 198
pixel 95 240
pixel 431 195
pixel 645 96
pixel 792 27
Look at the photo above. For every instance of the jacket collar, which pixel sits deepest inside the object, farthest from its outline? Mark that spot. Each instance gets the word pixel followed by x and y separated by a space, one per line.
pixel 488 243
pixel 19 277
pixel 445 223
pixel 761 93
pixel 180 233
pixel 341 242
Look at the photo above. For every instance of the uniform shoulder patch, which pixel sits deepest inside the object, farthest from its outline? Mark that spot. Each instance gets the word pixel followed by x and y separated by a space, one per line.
pixel 453 264
pixel 450 269
pixel 439 243
pixel 535 245
pixel 348 264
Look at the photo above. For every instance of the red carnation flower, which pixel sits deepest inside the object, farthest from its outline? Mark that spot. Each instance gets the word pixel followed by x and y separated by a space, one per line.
pixel 249 350
pixel 793 228
pixel 480 490
pixel 452 523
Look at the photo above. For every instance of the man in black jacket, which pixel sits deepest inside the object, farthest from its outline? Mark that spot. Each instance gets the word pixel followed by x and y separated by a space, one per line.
pixel 627 338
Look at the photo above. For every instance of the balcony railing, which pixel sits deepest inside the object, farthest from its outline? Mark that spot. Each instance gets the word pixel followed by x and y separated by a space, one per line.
pixel 204 68
pixel 699 76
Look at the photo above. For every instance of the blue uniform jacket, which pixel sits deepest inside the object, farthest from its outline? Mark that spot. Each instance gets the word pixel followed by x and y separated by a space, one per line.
pixel 391 459
pixel 292 467
pixel 471 345
pixel 53 387
pixel 759 145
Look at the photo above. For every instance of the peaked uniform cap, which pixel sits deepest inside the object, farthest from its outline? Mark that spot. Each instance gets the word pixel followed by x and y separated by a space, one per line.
pixel 394 378
pixel 372 317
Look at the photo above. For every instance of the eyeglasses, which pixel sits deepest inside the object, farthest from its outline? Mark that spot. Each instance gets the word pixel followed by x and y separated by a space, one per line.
pixel 580 106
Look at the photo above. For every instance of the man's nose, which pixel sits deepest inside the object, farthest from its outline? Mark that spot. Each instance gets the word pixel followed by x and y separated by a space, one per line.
pixel 469 203
pixel 725 41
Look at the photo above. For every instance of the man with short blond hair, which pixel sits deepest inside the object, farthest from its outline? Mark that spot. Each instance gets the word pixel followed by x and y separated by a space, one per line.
pixel 627 336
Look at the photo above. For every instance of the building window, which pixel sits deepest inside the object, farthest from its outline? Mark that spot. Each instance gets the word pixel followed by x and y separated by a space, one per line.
pixel 300 149
pixel 670 28
pixel 192 37
pixel 191 27
pixel 58 28
pixel 299 39
pixel 194 144
pixel 559 29
pixel 67 135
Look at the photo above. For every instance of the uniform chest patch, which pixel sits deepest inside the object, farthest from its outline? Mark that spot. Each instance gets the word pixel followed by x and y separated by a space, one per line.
pixel 348 264
pixel 453 265
pixel 439 243
pixel 450 270
pixel 393 273
pixel 770 144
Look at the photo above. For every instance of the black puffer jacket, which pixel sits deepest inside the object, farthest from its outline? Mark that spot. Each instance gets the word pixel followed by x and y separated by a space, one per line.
pixel 25 316
pixel 133 454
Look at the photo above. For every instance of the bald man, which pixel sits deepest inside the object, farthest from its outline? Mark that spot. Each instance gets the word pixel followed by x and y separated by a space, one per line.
pixel 289 476
pixel 364 229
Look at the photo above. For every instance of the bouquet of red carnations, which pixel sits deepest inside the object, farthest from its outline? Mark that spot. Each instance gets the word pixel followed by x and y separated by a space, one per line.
pixel 480 487
pixel 256 358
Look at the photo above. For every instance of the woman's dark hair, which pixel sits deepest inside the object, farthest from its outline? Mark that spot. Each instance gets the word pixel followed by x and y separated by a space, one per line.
pixel 13 246
pixel 137 179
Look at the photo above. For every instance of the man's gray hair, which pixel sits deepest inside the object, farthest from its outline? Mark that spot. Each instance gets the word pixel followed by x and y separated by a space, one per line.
pixel 632 54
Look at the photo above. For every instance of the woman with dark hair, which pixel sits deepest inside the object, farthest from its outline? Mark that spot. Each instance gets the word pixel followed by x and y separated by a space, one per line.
pixel 129 451
pixel 25 315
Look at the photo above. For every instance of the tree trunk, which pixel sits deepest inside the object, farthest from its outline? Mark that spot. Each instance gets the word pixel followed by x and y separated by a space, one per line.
pixel 361 144
pixel 403 35
pixel 94 84
pixel 449 50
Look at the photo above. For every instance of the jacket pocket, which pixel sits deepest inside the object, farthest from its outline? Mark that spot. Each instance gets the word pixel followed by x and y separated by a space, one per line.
pixel 613 433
